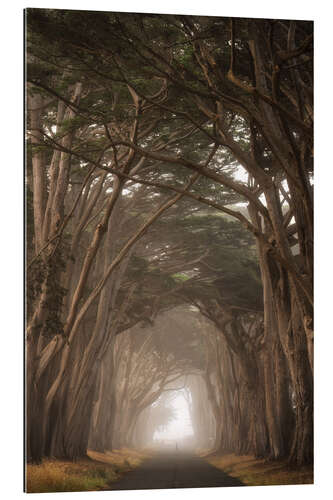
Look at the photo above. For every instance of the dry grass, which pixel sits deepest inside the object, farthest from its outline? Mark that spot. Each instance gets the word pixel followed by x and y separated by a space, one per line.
pixel 96 473
pixel 120 458
pixel 255 472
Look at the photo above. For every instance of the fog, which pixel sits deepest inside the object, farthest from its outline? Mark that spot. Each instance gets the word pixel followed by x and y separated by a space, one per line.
pixel 161 395
pixel 181 431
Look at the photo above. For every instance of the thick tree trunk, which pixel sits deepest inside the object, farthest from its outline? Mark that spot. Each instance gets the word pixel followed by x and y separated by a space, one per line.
pixel 293 340
pixel 35 103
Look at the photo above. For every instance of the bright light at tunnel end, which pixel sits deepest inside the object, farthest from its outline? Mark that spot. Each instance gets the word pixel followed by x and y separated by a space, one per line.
pixel 180 427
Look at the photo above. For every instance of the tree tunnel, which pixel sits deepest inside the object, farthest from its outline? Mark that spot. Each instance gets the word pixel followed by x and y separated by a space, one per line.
pixel 169 241
pixel 180 420
pixel 159 396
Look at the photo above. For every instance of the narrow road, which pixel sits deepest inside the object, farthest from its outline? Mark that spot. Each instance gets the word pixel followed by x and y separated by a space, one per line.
pixel 174 471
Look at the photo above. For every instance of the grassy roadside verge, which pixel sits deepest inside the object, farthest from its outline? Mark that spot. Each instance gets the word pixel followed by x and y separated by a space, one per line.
pixel 97 472
pixel 259 472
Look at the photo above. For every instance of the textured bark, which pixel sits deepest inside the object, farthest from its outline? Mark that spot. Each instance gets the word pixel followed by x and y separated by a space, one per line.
pixel 35 103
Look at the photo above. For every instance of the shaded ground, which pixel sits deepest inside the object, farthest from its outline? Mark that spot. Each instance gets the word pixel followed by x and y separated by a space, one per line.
pixel 174 471
pixel 259 472
pixel 129 469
